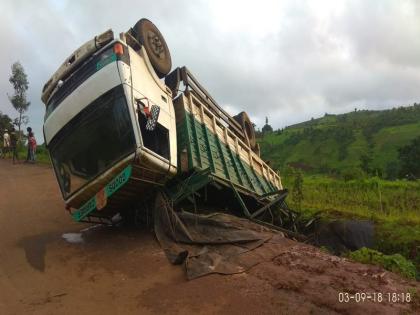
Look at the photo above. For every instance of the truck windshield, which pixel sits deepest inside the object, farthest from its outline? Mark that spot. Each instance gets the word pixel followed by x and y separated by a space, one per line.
pixel 92 141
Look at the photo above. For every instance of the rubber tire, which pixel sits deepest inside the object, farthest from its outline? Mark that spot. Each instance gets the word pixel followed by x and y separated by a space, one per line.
pixel 162 63
pixel 243 119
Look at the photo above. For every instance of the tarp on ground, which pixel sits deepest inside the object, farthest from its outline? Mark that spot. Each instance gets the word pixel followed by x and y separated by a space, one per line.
pixel 214 243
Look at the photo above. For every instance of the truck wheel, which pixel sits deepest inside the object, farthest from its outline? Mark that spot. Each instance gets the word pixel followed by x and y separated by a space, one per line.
pixel 243 119
pixel 149 36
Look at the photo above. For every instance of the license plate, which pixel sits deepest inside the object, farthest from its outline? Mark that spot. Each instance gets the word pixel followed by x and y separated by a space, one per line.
pixel 100 200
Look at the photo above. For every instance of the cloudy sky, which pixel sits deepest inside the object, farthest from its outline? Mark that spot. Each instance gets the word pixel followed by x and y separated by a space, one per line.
pixel 288 60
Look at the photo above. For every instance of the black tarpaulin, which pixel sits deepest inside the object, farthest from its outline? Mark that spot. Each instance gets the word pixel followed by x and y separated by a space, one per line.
pixel 214 243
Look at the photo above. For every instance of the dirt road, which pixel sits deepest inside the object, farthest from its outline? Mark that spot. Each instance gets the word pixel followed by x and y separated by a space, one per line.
pixel 123 271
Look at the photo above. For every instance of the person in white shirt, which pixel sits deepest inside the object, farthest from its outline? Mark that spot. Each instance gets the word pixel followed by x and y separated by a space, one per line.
pixel 6 142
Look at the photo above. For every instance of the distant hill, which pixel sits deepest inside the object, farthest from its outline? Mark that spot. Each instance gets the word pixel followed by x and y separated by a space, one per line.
pixel 364 139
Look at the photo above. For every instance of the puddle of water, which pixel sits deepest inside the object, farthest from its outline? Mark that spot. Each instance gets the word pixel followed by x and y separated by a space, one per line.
pixel 35 245
pixel 35 249
pixel 73 238
pixel 342 235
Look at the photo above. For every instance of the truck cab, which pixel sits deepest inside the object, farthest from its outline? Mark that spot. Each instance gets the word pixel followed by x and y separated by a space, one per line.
pixel 98 106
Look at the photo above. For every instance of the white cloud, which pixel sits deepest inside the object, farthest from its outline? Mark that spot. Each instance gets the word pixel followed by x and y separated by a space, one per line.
pixel 288 60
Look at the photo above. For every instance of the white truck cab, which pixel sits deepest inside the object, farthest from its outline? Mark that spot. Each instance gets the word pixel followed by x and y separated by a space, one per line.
pixel 97 106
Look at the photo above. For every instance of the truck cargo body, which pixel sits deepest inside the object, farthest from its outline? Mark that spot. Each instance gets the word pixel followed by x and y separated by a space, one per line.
pixel 205 142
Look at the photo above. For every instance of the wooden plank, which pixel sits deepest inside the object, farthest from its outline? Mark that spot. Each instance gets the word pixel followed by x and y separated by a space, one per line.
pixel 194 130
pixel 189 142
pixel 222 155
pixel 210 151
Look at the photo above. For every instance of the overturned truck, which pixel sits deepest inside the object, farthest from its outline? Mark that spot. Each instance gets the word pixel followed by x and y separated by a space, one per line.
pixel 120 126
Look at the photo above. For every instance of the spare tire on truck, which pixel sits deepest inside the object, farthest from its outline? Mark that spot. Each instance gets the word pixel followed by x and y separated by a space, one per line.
pixel 147 34
pixel 243 119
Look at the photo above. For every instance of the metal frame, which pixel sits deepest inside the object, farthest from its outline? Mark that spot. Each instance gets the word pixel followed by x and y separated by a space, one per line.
pixel 278 200
pixel 183 189
pixel 173 81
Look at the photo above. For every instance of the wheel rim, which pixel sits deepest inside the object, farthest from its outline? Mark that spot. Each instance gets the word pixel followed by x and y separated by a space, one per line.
pixel 153 41
pixel 155 44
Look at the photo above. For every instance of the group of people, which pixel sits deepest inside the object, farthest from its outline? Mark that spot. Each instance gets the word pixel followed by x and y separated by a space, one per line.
pixel 10 141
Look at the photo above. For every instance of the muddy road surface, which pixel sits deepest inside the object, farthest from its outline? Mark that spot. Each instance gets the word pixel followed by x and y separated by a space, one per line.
pixel 98 270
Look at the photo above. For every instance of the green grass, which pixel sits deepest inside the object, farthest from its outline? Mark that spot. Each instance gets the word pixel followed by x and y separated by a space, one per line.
pixel 374 197
pixel 394 206
pixel 388 140
pixel 336 143
pixel 395 263
pixel 41 156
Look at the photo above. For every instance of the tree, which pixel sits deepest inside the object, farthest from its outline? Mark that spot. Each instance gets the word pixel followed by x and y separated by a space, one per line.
pixel 5 123
pixel 365 163
pixel 410 157
pixel 392 170
pixel 19 81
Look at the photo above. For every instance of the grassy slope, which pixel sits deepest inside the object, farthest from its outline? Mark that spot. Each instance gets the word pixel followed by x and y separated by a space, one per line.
pixel 389 139
pixel 316 144
pixel 393 205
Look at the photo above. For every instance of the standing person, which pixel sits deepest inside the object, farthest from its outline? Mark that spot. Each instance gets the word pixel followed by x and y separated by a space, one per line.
pixel 28 154
pixel 31 147
pixel 6 143
pixel 13 145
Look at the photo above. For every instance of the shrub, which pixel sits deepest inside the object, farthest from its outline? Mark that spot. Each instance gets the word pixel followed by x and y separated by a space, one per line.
pixel 392 170
pixel 353 173
pixel 395 263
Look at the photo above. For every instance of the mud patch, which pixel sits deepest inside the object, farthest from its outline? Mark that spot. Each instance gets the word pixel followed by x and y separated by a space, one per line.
pixel 35 248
